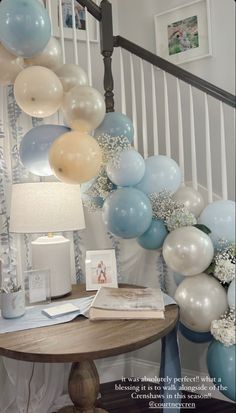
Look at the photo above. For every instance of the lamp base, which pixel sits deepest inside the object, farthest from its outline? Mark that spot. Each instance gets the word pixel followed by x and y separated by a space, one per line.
pixel 53 252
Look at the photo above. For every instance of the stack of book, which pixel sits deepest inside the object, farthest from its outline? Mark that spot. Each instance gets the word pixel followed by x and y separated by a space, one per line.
pixel 127 303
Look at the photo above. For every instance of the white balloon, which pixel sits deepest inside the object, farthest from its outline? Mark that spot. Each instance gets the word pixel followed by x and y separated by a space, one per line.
pixel 188 250
pixel 50 57
pixel 10 66
pixel 231 294
pixel 83 108
pixel 201 299
pixel 71 75
pixel 38 91
pixel 191 199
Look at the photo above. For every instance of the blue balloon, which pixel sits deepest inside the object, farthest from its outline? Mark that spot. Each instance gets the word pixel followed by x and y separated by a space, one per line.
pixel 178 278
pixel 219 217
pixel 126 168
pixel 154 237
pixel 195 336
pixel 35 146
pixel 221 367
pixel 162 173
pixel 25 27
pixel 116 124
pixel 127 213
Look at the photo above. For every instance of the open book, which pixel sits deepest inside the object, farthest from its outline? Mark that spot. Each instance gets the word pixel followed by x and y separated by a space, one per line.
pixel 127 303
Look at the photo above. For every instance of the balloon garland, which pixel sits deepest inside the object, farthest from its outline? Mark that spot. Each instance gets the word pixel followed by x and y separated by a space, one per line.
pixel 141 199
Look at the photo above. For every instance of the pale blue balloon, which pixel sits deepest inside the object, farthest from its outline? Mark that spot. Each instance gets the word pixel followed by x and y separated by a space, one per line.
pixel 25 27
pixel 161 173
pixel 35 146
pixel 116 124
pixel 221 367
pixel 127 213
pixel 154 237
pixel 219 217
pixel 231 294
pixel 126 168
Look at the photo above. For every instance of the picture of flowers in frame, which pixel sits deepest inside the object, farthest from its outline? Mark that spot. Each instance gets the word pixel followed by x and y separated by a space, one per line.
pixel 62 13
pixel 183 33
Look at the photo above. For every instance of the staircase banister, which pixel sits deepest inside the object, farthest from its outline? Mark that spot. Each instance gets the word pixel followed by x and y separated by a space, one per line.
pixel 92 8
pixel 176 71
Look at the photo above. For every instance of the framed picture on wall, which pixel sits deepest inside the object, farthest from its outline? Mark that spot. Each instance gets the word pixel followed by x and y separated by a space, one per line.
pixel 101 269
pixel 183 33
pixel 63 15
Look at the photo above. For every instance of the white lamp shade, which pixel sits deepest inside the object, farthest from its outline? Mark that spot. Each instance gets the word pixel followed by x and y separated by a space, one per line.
pixel 46 207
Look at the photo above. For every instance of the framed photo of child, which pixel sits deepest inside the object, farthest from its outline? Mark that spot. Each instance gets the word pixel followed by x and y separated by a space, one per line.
pixel 101 269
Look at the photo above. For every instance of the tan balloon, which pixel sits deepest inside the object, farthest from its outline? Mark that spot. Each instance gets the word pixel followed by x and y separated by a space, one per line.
pixel 38 91
pixel 83 108
pixel 191 199
pixel 188 250
pixel 201 299
pixel 50 57
pixel 71 75
pixel 75 157
pixel 10 66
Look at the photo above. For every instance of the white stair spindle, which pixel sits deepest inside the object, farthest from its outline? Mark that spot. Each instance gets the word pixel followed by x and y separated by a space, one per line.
pixel 193 140
pixel 223 154
pixel 167 118
pixel 89 66
pixel 61 31
pixel 74 32
pixel 180 132
pixel 144 112
pixel 122 83
pixel 154 114
pixel 208 151
pixel 133 101
pixel 49 9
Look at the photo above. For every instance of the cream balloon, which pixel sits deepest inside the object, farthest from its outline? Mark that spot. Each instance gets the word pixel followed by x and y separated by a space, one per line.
pixel 83 108
pixel 188 250
pixel 71 75
pixel 75 157
pixel 191 199
pixel 50 57
pixel 201 299
pixel 10 66
pixel 38 91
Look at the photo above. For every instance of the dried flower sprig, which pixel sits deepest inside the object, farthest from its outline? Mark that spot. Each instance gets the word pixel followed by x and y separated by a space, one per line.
pixel 224 329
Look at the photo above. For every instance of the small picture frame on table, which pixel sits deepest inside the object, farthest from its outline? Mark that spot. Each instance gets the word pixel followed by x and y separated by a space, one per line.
pixel 37 287
pixel 101 269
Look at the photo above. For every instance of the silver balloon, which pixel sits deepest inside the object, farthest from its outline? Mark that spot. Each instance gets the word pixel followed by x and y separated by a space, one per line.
pixel 50 57
pixel 201 299
pixel 231 294
pixel 83 108
pixel 188 250
pixel 191 199
pixel 72 75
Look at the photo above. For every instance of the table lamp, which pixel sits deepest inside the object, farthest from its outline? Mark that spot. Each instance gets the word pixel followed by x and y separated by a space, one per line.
pixel 48 207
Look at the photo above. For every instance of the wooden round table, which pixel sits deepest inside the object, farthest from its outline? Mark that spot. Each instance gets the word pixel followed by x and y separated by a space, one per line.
pixel 81 341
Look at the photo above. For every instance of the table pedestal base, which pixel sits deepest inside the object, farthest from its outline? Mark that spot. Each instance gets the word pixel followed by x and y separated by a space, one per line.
pixel 83 388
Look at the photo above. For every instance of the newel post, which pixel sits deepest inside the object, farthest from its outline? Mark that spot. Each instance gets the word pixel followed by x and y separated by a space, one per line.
pixel 106 38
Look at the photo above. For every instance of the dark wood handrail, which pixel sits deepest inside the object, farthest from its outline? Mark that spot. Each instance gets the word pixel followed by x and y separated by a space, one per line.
pixel 176 71
pixel 92 8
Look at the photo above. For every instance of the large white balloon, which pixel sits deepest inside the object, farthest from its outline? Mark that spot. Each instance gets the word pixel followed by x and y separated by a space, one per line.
pixel 50 57
pixel 83 108
pixel 231 294
pixel 201 299
pixel 188 250
pixel 38 91
pixel 10 66
pixel 71 75
pixel 191 199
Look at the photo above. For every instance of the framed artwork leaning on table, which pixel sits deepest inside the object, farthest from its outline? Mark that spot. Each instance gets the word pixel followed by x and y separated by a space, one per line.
pixel 101 269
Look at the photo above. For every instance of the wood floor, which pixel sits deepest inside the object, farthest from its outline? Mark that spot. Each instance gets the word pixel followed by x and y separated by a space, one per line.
pixel 115 401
